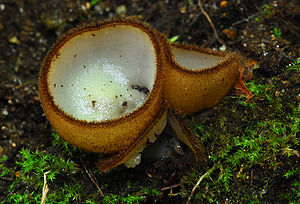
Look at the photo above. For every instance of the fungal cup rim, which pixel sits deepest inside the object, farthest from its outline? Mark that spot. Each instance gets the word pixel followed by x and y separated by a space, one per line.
pixel 53 53
pixel 228 57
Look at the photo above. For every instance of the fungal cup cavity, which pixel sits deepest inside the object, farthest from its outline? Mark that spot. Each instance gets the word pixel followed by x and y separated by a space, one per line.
pixel 92 79
pixel 195 60
pixel 99 91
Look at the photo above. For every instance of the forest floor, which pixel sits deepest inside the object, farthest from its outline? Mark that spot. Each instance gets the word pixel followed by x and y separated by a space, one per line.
pixel 252 145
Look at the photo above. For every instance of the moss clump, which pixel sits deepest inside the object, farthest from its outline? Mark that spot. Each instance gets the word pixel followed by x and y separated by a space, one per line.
pixel 253 147
pixel 31 170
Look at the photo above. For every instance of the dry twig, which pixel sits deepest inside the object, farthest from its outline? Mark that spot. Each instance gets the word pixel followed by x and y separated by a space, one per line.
pixel 170 187
pixel 91 176
pixel 211 23
pixel 45 188
pixel 197 184
pixel 7 179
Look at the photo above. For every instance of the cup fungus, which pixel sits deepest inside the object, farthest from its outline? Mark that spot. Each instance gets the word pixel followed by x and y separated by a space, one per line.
pixel 198 77
pixel 107 87
pixel 101 88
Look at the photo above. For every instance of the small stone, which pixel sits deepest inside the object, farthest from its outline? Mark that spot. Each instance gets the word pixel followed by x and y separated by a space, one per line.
pixel 14 40
pixel 121 10
pixel 2 7
pixel 98 9
pixel 222 48
pixel 5 112
pixel 183 10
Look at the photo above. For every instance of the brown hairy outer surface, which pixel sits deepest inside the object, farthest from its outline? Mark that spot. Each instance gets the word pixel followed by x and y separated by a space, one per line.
pixel 189 91
pixel 112 135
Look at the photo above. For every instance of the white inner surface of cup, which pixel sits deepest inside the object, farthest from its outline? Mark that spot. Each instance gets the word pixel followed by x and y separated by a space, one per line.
pixel 101 75
pixel 195 60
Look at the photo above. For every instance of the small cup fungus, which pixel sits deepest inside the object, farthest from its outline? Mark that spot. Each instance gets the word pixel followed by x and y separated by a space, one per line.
pixel 198 77
pixel 107 87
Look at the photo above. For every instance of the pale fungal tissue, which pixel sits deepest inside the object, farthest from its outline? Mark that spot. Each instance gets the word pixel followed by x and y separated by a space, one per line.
pixel 109 88
pixel 99 94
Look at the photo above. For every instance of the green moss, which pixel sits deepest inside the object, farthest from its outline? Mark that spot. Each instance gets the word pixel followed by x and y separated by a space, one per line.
pixel 26 197
pixel 266 10
pixel 33 166
pixel 4 171
pixel 129 199
pixel 277 32
pixel 295 65
pixel 68 193
pixel 137 197
pixel 65 180
pixel 174 38
pixel 63 146
pixel 94 2
pixel 250 145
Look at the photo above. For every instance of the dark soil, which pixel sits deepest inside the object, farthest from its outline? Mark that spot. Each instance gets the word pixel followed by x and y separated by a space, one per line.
pixel 28 28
